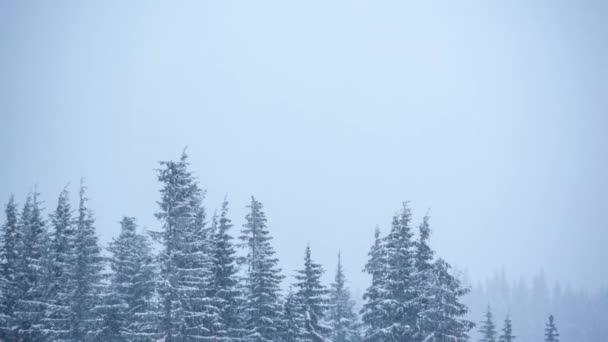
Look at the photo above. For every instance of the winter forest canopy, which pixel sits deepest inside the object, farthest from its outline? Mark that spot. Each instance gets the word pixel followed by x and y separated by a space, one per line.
pixel 202 277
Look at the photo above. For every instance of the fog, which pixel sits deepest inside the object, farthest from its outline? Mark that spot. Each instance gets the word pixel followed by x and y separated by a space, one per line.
pixel 490 117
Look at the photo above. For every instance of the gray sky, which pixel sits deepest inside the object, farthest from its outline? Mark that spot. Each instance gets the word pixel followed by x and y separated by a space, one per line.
pixel 331 113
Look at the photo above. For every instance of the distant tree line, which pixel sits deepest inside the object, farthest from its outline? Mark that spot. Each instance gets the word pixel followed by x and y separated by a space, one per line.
pixel 581 314
pixel 57 284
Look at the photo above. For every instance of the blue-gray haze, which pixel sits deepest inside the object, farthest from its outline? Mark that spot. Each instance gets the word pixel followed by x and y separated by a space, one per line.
pixel 492 115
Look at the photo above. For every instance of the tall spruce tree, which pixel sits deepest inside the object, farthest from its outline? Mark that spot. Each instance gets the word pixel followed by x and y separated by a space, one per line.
pixel 185 309
pixel 11 238
pixel 32 250
pixel 342 317
pixel 440 312
pixel 507 332
pixel 127 303
pixel 372 313
pixel 442 316
pixel 62 255
pixel 487 329
pixel 263 278
pixel 224 274
pixel 312 298
pixel 551 334
pixel 88 265
pixel 400 285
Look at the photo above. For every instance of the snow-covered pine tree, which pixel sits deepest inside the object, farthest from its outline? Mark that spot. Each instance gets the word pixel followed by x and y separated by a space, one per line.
pixel 127 300
pixel 11 238
pixel 293 320
pixel 342 317
pixel 372 314
pixel 62 256
pixel 263 279
pixel 401 292
pixel 86 275
pixel 437 302
pixel 442 317
pixel 507 332
pixel 487 329
pixel 185 311
pixel 32 250
pixel 312 298
pixel 224 274
pixel 551 334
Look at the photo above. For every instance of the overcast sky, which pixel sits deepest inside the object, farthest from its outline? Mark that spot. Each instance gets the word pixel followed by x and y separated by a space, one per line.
pixel 493 117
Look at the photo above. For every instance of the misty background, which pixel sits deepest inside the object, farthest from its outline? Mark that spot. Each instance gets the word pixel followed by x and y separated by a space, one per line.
pixel 491 116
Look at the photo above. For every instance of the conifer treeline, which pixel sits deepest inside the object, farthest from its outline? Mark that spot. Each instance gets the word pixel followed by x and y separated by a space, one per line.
pixel 56 284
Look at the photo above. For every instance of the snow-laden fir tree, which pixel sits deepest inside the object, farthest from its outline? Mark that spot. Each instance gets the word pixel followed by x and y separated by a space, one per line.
pixel 342 318
pixel 62 256
pixel 487 329
pixel 507 332
pixel 551 334
pixel 292 328
pixel 312 298
pixel 32 250
pixel 399 304
pixel 262 280
pixel 11 238
pixel 186 312
pixel 88 265
pixel 127 308
pixel 442 318
pixel 440 313
pixel 224 276
pixel 372 313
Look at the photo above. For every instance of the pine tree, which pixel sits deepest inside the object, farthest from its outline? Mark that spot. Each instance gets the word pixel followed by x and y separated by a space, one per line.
pixel 62 256
pixel 185 309
pixel 342 318
pixel 400 273
pixel 551 334
pixel 442 316
pixel 293 320
pixel 312 297
pixel 487 328
pixel 263 278
pixel 29 275
pixel 438 296
pixel 372 314
pixel 127 301
pixel 11 238
pixel 87 270
pixel 507 332
pixel 224 274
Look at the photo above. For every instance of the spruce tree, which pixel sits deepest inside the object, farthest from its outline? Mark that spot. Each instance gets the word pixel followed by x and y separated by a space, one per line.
pixel 442 316
pixel 62 255
pixel 127 302
pixel 372 314
pixel 312 298
pixel 507 332
pixel 185 310
pixel 342 318
pixel 400 286
pixel 263 278
pixel 11 238
pixel 551 334
pixel 438 296
pixel 293 320
pixel 224 274
pixel 487 328
pixel 88 265
pixel 32 250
